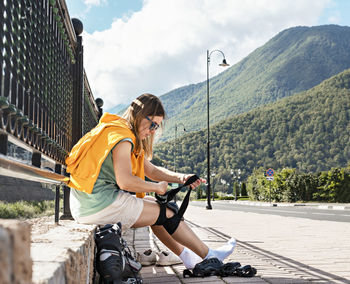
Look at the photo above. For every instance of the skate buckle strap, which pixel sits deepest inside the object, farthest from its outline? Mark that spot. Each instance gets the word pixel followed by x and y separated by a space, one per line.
pixel 170 195
pixel 229 269
pixel 245 271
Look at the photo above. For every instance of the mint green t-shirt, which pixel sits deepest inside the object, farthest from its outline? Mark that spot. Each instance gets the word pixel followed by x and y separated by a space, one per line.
pixel 104 193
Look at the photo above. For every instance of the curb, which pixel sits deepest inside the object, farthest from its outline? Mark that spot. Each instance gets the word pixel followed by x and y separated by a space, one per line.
pixel 318 206
pixel 333 207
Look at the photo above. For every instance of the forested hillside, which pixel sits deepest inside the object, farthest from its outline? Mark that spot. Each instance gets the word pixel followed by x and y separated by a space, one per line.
pixel 309 131
pixel 295 60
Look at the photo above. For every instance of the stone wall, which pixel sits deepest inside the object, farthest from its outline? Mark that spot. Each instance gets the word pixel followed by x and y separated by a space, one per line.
pixel 47 252
pixel 62 253
pixel 15 260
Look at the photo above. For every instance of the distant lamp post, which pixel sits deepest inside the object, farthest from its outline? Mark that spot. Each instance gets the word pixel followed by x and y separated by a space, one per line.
pixel 213 175
pixel 236 177
pixel 223 64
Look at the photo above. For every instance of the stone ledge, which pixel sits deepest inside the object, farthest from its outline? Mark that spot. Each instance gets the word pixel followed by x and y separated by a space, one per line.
pixel 15 261
pixel 64 253
pixel 38 251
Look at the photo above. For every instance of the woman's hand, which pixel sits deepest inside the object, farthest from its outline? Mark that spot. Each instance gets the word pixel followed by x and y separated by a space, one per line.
pixel 162 186
pixel 196 183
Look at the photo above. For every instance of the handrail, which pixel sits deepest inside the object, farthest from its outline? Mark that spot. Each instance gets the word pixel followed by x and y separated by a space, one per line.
pixel 9 166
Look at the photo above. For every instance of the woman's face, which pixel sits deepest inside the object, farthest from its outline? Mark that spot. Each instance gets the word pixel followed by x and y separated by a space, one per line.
pixel 148 126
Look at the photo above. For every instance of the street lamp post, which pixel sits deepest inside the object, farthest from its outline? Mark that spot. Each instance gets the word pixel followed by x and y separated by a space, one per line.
pixel 239 181
pixel 213 175
pixel 224 64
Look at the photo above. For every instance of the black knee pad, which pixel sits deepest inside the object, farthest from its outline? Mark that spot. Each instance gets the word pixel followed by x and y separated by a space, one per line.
pixel 169 224
pixel 172 223
pixel 162 215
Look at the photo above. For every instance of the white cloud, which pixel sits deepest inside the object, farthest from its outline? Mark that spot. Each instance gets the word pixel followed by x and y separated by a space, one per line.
pixel 94 2
pixel 164 45
pixel 334 18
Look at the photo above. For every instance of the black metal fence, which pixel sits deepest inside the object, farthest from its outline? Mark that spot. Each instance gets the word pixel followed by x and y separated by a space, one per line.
pixel 45 97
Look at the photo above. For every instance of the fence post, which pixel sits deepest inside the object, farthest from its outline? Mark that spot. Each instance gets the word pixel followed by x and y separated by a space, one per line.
pixel 3 143
pixel 58 169
pixel 36 159
pixel 57 204
pixel 78 84
pixel 67 215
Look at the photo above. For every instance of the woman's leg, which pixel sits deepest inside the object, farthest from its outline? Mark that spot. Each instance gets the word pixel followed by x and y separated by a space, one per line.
pixel 183 234
pixel 167 239
pixel 188 257
pixel 164 236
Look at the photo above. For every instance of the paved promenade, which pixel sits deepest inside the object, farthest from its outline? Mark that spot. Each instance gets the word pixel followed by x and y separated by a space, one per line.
pixel 283 249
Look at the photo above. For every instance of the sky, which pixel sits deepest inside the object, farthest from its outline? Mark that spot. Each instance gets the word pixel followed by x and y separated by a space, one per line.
pixel 133 47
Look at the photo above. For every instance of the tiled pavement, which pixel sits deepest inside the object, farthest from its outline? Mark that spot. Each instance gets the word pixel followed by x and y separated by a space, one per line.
pixel 294 255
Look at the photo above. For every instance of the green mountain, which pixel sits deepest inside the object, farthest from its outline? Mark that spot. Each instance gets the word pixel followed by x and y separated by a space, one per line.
pixel 309 131
pixel 295 60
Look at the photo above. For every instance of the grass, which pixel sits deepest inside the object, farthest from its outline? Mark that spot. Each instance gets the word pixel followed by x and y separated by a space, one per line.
pixel 26 209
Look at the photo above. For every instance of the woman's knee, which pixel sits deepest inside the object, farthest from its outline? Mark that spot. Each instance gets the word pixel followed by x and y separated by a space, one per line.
pixel 153 214
pixel 156 207
pixel 169 213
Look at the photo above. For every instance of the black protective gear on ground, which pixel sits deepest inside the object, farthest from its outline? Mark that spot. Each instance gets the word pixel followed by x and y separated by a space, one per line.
pixel 114 261
pixel 228 269
pixel 207 267
pixel 111 269
pixel 109 237
pixel 245 271
pixel 214 266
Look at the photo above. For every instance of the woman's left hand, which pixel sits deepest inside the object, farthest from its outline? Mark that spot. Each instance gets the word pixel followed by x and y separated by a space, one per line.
pixel 195 184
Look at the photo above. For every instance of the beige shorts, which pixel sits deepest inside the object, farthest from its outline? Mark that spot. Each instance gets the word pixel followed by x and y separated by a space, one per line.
pixel 126 209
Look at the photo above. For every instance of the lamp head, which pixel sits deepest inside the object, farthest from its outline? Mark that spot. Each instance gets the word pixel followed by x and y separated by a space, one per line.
pixel 224 63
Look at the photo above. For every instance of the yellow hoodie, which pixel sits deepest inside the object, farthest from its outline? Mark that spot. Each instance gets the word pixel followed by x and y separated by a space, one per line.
pixel 87 156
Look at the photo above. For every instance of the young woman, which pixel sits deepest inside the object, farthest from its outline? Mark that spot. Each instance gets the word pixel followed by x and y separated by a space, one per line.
pixel 111 162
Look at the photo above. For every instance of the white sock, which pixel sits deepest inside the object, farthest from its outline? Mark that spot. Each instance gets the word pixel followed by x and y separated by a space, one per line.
pixel 223 251
pixel 189 258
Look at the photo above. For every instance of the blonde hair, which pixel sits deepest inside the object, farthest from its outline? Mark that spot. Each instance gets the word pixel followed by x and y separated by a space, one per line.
pixel 144 105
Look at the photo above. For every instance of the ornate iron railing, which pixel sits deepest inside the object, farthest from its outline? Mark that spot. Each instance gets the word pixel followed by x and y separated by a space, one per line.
pixel 45 97
pixel 90 116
